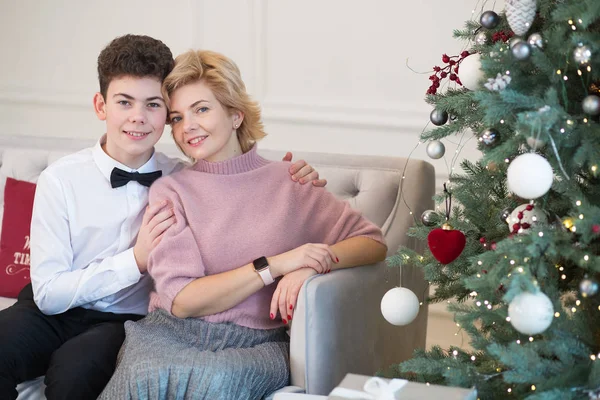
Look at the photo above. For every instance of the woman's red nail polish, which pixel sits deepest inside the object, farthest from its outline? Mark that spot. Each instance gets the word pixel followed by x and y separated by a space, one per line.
pixel 289 317
pixel 291 307
pixel 272 316
pixel 284 321
pixel 337 259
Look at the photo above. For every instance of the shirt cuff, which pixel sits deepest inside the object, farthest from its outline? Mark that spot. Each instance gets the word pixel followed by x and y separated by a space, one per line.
pixel 127 265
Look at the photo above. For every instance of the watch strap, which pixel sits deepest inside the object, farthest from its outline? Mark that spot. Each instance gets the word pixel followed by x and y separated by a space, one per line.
pixel 261 266
pixel 266 276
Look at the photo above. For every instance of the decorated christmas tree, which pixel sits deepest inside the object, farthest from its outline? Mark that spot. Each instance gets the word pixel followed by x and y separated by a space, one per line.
pixel 517 250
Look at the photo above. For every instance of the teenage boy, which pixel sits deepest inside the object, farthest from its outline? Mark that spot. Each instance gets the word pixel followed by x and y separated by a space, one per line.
pixel 91 232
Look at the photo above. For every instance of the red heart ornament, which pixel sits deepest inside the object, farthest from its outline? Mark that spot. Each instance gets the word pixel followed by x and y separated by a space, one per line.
pixel 446 244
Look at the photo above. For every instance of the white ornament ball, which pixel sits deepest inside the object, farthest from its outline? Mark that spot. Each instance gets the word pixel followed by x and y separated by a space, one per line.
pixel 529 176
pixel 530 217
pixel 400 306
pixel 470 73
pixel 531 313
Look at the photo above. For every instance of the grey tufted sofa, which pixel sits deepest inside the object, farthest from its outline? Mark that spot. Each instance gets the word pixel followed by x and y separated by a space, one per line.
pixel 338 327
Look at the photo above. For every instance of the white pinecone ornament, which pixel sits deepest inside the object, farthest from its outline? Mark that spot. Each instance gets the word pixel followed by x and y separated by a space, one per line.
pixel 500 82
pixel 520 15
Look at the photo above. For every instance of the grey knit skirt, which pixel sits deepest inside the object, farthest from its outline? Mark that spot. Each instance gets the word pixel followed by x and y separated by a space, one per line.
pixel 164 357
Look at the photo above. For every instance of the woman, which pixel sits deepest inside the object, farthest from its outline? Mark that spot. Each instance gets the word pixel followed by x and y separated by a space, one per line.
pixel 216 327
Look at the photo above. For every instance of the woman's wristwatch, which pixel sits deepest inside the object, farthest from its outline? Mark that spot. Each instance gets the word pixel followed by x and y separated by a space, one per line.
pixel 261 266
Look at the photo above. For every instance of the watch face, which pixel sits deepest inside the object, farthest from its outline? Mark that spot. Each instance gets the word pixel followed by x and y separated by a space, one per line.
pixel 260 264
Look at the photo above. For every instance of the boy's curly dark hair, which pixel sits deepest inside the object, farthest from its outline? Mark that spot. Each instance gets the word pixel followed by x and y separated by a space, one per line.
pixel 133 55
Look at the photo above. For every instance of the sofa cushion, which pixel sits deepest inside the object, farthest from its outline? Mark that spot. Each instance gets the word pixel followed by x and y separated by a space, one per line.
pixel 14 243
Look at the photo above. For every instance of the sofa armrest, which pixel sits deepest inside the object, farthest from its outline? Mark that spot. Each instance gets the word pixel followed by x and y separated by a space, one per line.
pixel 335 327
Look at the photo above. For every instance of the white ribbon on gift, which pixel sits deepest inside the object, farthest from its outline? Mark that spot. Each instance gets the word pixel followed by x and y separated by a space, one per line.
pixel 374 389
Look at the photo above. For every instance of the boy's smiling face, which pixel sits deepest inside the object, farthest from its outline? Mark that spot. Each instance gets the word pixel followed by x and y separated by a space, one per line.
pixel 135 115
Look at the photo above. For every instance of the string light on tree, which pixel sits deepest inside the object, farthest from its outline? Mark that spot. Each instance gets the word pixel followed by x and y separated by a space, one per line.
pixel 591 105
pixel 588 287
pixel 582 54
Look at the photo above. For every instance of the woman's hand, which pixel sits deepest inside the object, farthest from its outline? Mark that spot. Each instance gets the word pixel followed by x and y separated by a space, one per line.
pixel 285 296
pixel 316 256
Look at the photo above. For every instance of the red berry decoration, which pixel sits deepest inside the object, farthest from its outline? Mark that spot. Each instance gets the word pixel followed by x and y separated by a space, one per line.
pixel 452 63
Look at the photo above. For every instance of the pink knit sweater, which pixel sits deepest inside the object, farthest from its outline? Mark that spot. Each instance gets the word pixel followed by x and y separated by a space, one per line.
pixel 232 212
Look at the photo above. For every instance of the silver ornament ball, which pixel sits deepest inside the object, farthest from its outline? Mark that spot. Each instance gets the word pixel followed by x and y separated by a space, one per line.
pixel 521 51
pixel 512 42
pixel 430 218
pixel 438 117
pixel 490 137
pixel 588 287
pixel 535 39
pixel 504 214
pixel 591 105
pixel 436 149
pixel 489 20
pixel 582 54
pixel 481 38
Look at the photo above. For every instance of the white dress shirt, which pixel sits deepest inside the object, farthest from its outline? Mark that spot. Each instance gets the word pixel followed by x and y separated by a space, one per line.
pixel 83 232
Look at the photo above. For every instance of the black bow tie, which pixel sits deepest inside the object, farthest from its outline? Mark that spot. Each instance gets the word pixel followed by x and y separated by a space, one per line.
pixel 119 178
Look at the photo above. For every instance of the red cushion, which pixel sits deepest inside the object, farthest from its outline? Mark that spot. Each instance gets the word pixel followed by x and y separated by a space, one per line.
pixel 14 243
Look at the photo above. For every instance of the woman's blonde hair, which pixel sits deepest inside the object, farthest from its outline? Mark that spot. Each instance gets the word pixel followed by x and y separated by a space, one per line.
pixel 223 78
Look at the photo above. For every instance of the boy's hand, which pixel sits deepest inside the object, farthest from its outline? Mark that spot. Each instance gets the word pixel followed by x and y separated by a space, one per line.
pixel 157 219
pixel 302 172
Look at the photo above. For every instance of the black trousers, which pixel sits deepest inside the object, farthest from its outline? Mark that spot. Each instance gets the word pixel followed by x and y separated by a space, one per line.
pixel 76 350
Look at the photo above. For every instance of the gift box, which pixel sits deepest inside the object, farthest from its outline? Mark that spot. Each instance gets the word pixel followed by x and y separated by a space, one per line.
pixel 360 387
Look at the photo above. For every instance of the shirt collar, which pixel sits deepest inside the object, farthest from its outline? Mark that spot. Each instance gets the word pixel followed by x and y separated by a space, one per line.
pixel 106 163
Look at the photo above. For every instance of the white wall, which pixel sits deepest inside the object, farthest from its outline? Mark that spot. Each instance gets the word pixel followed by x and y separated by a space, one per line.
pixel 331 75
